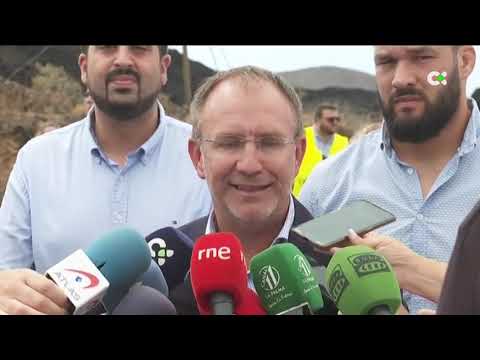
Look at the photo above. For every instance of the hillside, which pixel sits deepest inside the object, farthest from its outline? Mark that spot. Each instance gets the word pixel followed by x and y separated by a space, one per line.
pixel 13 58
pixel 323 77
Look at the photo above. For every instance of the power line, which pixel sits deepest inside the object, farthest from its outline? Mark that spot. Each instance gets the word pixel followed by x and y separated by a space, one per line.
pixel 213 57
pixel 225 57
pixel 28 62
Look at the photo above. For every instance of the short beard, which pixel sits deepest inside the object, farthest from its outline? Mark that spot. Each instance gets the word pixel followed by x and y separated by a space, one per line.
pixel 436 116
pixel 125 112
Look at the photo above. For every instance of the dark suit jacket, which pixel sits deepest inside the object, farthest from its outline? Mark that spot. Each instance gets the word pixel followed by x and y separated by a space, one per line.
pixel 461 288
pixel 183 298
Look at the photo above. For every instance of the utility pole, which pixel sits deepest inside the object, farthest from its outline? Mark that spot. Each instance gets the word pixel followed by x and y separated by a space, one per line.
pixel 187 78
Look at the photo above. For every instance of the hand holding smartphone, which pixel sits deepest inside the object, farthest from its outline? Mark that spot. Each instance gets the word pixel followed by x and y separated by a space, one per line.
pixel 331 230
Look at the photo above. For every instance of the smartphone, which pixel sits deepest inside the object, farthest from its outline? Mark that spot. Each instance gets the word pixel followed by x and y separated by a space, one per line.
pixel 332 228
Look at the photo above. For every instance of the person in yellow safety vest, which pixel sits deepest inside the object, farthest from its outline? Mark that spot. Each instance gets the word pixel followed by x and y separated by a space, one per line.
pixel 322 142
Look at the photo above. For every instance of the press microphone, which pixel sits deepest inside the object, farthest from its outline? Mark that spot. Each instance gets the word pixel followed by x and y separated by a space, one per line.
pixel 362 282
pixel 250 305
pixel 143 300
pixel 103 274
pixel 218 273
pixel 284 280
pixel 171 250
pixel 154 278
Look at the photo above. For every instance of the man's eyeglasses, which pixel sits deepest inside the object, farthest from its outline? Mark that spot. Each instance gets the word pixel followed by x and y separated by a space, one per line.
pixel 236 144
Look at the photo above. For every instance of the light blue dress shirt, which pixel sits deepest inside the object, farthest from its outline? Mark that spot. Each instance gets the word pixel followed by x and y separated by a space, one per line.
pixel 370 170
pixel 64 193
pixel 322 146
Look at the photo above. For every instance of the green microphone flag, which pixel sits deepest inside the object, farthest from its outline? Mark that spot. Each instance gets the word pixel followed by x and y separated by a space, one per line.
pixel 362 282
pixel 284 280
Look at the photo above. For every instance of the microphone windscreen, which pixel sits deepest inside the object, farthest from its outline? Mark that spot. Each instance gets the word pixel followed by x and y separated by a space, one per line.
pixel 251 305
pixel 284 280
pixel 218 266
pixel 143 300
pixel 122 256
pixel 360 280
pixel 171 250
pixel 154 278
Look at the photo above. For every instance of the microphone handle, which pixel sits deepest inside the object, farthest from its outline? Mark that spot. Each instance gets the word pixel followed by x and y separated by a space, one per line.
pixel 221 304
pixel 380 310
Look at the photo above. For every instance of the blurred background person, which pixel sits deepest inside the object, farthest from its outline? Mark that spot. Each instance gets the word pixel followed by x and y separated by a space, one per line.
pixel 322 142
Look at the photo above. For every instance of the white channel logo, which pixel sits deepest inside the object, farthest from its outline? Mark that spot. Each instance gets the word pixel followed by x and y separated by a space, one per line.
pixel 270 278
pixel 162 254
pixel 436 78
pixel 302 265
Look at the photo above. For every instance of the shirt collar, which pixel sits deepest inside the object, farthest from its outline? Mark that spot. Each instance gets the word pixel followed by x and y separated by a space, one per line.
pixel 91 138
pixel 157 138
pixel 385 143
pixel 283 234
pixel 472 133
pixel 145 150
pixel 320 140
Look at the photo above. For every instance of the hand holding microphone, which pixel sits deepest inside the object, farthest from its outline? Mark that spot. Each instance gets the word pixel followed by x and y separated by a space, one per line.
pixel 26 292
pixel 102 275
pixel 399 256
pixel 105 272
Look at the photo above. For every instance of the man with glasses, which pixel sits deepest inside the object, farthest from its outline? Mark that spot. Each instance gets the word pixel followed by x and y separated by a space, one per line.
pixel 322 142
pixel 248 143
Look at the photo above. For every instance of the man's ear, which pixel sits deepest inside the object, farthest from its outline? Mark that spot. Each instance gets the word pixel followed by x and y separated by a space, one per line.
pixel 300 147
pixel 82 63
pixel 466 61
pixel 165 62
pixel 197 157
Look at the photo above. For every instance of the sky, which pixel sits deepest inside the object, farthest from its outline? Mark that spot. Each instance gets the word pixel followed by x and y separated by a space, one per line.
pixel 287 58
